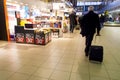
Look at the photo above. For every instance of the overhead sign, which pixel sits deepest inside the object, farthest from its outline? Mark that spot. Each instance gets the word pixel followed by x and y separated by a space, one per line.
pixel 88 3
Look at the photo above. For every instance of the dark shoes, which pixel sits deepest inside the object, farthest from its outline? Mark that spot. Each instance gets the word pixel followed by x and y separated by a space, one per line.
pixel 86 53
pixel 98 35
pixel 71 31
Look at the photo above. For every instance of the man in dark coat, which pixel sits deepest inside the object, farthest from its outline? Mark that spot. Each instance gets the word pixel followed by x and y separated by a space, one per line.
pixel 89 24
pixel 73 21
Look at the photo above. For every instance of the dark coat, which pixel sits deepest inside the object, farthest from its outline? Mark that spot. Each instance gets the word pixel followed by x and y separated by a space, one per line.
pixel 89 23
pixel 80 20
pixel 102 19
pixel 72 18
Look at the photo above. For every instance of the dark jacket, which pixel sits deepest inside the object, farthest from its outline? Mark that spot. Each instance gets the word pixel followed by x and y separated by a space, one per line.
pixel 72 18
pixel 89 23
pixel 80 20
pixel 102 19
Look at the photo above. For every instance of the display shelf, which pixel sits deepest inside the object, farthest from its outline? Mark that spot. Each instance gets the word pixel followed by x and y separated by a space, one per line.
pixel 32 36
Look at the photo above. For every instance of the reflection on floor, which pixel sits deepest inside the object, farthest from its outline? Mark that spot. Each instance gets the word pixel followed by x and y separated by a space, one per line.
pixel 61 59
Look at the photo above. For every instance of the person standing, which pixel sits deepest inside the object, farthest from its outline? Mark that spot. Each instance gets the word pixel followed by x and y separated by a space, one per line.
pixel 73 21
pixel 80 20
pixel 102 20
pixel 90 22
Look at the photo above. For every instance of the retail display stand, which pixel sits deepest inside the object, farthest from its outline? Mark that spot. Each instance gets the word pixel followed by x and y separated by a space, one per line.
pixel 19 34
pixel 42 38
pixel 55 32
pixel 32 36
pixel 29 36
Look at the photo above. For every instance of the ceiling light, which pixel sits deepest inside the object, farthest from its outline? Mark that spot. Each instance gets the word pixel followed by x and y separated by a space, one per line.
pixel 21 3
pixel 15 2
pixel 26 4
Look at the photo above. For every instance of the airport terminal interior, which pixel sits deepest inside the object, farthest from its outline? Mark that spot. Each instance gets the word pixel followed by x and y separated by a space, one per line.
pixel 61 59
pixel 50 51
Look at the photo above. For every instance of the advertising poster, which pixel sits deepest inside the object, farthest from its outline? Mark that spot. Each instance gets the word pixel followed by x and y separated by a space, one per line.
pixel 29 38
pixel 11 8
pixel 20 37
pixel 40 39
pixel 24 12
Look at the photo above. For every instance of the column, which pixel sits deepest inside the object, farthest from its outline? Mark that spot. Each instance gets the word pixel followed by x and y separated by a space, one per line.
pixel 4 30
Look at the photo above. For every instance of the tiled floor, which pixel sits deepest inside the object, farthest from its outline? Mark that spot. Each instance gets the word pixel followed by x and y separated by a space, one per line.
pixel 61 59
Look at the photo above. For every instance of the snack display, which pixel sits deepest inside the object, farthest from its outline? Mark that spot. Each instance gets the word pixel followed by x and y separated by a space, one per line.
pixel 20 37
pixel 40 36
pixel 19 34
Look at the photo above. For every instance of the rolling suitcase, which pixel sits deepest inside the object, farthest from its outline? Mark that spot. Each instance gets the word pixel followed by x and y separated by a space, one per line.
pixel 96 53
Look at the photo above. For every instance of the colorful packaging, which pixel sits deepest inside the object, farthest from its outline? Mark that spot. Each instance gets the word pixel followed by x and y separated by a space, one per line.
pixel 20 37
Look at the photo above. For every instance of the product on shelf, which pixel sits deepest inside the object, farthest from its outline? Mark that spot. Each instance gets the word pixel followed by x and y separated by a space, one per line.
pixel 55 33
pixel 65 27
pixel 30 25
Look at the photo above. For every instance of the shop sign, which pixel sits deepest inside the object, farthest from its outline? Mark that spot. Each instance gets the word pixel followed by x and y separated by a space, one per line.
pixel 11 8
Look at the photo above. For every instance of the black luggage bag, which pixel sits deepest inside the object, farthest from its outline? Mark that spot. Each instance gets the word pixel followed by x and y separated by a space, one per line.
pixel 96 53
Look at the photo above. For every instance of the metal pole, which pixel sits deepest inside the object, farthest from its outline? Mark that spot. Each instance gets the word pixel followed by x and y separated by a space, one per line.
pixel 84 4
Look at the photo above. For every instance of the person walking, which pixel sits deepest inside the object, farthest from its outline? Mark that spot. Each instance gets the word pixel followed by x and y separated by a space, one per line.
pixel 73 21
pixel 90 22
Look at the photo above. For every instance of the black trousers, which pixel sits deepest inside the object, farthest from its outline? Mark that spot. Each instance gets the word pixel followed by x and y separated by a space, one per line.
pixel 99 28
pixel 88 42
pixel 72 27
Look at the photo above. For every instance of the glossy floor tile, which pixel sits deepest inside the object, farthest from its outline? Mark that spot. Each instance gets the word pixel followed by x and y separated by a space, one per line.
pixel 61 59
